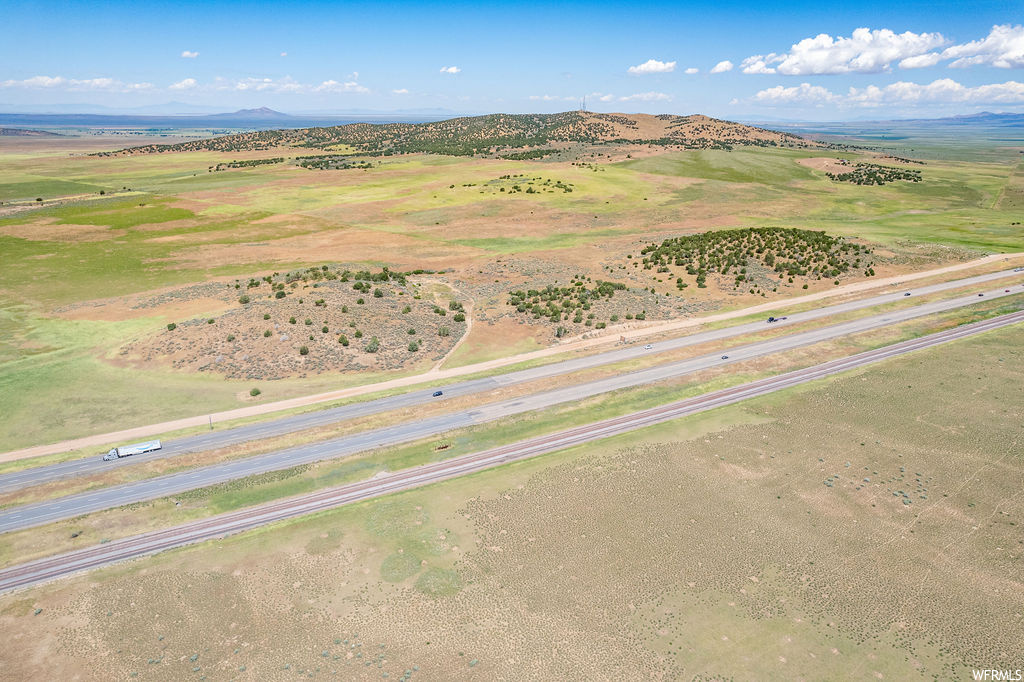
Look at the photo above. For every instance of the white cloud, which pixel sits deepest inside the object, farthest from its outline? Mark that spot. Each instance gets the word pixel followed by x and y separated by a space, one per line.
pixel 921 61
pixel 646 97
pixel 400 91
pixel 865 51
pixel 186 84
pixel 335 86
pixel 76 85
pixel 1003 47
pixel 941 91
pixel 261 85
pixel 284 54
pixel 759 63
pixel 36 82
pixel 692 70
pixel 551 98
pixel 188 54
pixel 653 66
pixel 450 69
pixel 805 93
pixel 722 67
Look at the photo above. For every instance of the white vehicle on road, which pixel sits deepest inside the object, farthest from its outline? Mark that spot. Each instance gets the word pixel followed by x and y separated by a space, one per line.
pixel 648 347
pixel 129 450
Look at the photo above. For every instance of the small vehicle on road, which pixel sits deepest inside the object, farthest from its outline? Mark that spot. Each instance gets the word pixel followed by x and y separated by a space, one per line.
pixel 907 294
pixel 981 294
pixel 648 347
pixel 771 319
pixel 725 357
pixel 436 394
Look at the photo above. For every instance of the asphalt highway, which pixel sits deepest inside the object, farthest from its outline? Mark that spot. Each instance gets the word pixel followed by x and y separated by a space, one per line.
pixel 221 438
pixel 26 516
pixel 51 568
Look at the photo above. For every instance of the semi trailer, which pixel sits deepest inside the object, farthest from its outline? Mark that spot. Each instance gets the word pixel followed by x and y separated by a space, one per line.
pixel 129 450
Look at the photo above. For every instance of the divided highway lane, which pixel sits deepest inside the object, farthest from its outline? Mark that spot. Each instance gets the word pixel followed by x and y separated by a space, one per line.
pixel 283 425
pixel 51 568
pixel 26 516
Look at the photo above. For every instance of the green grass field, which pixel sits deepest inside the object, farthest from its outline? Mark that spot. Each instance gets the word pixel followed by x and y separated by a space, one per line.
pixel 181 224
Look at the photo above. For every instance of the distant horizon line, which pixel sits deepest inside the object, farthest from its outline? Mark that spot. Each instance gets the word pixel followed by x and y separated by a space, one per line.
pixel 267 115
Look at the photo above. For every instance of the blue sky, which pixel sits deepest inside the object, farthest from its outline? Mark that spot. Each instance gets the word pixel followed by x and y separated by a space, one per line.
pixel 823 61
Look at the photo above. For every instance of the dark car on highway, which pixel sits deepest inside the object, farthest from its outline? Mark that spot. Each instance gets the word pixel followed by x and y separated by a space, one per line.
pixel 437 393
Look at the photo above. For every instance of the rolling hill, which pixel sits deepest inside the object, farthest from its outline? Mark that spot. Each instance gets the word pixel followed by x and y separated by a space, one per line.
pixel 495 133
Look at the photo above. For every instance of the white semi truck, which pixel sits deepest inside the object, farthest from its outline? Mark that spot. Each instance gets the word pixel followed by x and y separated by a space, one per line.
pixel 129 450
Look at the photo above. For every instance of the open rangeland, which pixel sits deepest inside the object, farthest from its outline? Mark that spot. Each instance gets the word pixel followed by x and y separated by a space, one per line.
pixel 870 524
pixel 103 251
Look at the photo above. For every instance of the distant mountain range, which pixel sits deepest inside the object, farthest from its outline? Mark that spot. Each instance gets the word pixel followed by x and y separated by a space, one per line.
pixel 261 113
pixel 983 118
pixel 262 118
pixel 26 132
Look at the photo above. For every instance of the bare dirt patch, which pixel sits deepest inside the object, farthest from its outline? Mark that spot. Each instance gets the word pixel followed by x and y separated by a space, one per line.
pixel 824 164
pixel 47 229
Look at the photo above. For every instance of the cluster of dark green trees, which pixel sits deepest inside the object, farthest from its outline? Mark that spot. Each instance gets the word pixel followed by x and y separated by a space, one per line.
pixel 529 154
pixel 331 162
pixel 790 252
pixel 564 303
pixel 874 174
pixel 248 163
pixel 363 278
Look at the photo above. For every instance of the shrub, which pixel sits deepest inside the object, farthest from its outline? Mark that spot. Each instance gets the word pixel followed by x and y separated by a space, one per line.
pixel 243 299
pixel 344 308
pixel 308 321
pixel 459 317
pixel 209 321
pixel 255 392
pixel 324 329
pixel 343 340
pixel 443 331
pixel 358 334
pixel 411 330
pixel 413 346
pixel 304 350
pixel 267 333
pixel 360 301
pixel 406 309
pixel 377 293
pixel 266 316
pixel 171 327
pixel 280 294
pixel 373 346
pixel 231 337
pixel 291 320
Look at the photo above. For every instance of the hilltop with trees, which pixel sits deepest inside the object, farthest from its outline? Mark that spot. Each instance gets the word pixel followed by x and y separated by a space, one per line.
pixel 499 134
